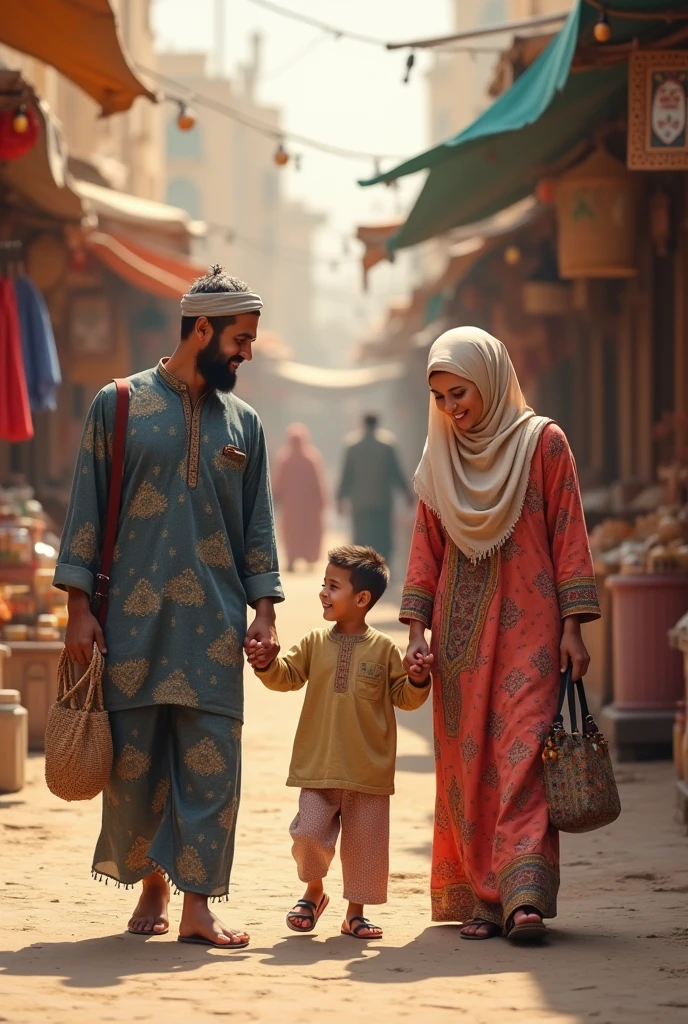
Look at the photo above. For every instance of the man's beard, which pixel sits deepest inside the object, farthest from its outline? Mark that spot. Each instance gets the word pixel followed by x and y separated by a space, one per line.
pixel 213 367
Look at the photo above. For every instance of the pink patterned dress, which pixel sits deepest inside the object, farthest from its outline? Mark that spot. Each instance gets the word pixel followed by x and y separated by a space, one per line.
pixel 496 628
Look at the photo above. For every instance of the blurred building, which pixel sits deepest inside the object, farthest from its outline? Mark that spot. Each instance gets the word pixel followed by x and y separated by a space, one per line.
pixel 224 173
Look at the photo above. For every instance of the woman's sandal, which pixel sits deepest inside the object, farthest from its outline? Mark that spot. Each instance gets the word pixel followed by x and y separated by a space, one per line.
pixel 355 933
pixel 527 933
pixel 493 930
pixel 311 913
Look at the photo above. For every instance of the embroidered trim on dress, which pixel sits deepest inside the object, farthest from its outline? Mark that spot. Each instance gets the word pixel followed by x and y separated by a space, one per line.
pixel 453 902
pixel 529 881
pixel 417 603
pixel 347 644
pixel 469 591
pixel 578 596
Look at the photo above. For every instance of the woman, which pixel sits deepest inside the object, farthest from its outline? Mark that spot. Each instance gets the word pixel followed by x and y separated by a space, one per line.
pixel 500 571
pixel 298 485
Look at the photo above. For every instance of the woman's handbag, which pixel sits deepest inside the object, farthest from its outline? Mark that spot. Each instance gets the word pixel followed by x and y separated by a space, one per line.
pixel 579 778
pixel 78 741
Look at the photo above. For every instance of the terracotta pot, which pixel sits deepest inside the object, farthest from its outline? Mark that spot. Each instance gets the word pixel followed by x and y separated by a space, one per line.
pixel 648 674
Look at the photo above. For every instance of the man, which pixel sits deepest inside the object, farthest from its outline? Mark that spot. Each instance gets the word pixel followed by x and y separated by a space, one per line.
pixel 195 546
pixel 370 477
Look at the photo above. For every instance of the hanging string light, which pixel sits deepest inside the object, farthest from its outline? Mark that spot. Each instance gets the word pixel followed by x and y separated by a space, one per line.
pixel 281 157
pixel 512 255
pixel 603 30
pixel 186 118
pixel 410 61
pixel 20 121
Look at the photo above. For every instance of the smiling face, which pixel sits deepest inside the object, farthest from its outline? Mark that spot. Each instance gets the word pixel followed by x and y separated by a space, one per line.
pixel 458 398
pixel 221 351
pixel 338 598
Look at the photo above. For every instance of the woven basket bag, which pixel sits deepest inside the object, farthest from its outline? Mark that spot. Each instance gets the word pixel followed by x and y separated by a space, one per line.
pixel 579 778
pixel 78 741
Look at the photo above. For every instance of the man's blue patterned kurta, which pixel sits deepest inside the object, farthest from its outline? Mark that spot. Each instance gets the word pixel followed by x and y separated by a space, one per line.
pixel 195 542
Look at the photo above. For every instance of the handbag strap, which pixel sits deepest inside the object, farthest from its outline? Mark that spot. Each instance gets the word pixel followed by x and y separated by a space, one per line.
pixel 67 690
pixel 568 689
pixel 114 498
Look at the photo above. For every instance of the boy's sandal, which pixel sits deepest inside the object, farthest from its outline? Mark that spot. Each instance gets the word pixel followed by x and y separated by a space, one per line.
pixel 527 933
pixel 311 913
pixel 493 930
pixel 355 933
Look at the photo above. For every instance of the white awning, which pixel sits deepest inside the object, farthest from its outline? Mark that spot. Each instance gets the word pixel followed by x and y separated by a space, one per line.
pixel 326 377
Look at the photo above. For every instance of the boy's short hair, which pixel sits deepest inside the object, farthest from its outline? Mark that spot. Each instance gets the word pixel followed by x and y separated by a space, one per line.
pixel 369 570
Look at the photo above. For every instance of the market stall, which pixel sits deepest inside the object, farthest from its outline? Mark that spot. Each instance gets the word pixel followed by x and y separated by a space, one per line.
pixel 33 615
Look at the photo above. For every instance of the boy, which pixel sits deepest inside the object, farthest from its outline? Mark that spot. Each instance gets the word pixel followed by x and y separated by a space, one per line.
pixel 345 745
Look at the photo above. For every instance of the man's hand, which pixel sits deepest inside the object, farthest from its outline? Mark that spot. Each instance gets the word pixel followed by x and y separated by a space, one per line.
pixel 83 629
pixel 261 638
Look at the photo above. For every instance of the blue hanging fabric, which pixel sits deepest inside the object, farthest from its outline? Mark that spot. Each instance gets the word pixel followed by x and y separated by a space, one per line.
pixel 41 363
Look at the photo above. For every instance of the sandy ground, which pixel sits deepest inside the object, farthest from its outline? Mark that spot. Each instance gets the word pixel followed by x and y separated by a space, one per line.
pixel 618 952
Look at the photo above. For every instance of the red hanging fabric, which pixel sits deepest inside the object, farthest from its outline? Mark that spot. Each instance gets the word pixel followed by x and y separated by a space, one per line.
pixel 15 411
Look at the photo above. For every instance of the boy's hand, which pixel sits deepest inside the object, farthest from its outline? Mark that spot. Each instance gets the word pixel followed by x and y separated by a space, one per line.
pixel 419 670
pixel 259 654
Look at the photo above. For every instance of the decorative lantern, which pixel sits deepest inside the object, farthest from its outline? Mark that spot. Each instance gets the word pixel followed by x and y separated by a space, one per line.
pixel 596 217
pixel 603 30
pixel 18 132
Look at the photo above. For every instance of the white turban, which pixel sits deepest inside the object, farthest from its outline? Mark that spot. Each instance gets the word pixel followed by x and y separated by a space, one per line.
pixel 220 303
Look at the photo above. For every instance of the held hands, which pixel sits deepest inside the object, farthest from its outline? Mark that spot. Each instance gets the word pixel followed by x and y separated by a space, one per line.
pixel 258 654
pixel 572 649
pixel 261 643
pixel 418 659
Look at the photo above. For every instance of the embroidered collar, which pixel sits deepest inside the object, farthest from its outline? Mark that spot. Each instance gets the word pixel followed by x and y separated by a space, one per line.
pixel 169 378
pixel 350 638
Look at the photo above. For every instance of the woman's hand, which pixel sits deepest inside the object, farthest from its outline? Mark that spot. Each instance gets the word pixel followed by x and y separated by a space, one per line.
pixel 418 658
pixel 572 648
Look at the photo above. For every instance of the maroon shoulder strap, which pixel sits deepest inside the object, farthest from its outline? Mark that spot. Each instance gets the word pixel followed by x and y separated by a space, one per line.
pixel 114 496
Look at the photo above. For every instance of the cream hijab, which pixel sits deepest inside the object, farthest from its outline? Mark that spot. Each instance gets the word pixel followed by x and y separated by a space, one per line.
pixel 476 480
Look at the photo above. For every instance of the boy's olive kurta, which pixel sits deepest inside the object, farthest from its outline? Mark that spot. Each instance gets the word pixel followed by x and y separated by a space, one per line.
pixel 195 542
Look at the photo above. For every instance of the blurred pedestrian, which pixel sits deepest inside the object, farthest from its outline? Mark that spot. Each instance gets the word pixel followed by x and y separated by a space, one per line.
pixel 500 571
pixel 300 490
pixel 370 477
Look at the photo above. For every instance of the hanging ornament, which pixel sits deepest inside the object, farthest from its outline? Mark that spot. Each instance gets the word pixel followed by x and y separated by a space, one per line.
pixel 410 61
pixel 603 30
pixel 20 121
pixel 18 132
pixel 186 119
pixel 544 191
pixel 298 160
pixel 281 156
pixel 512 255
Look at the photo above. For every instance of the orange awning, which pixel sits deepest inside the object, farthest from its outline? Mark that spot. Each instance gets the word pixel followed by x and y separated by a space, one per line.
pixel 162 274
pixel 375 238
pixel 79 38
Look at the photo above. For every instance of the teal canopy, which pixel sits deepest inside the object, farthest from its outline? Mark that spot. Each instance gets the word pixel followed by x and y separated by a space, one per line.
pixel 498 159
